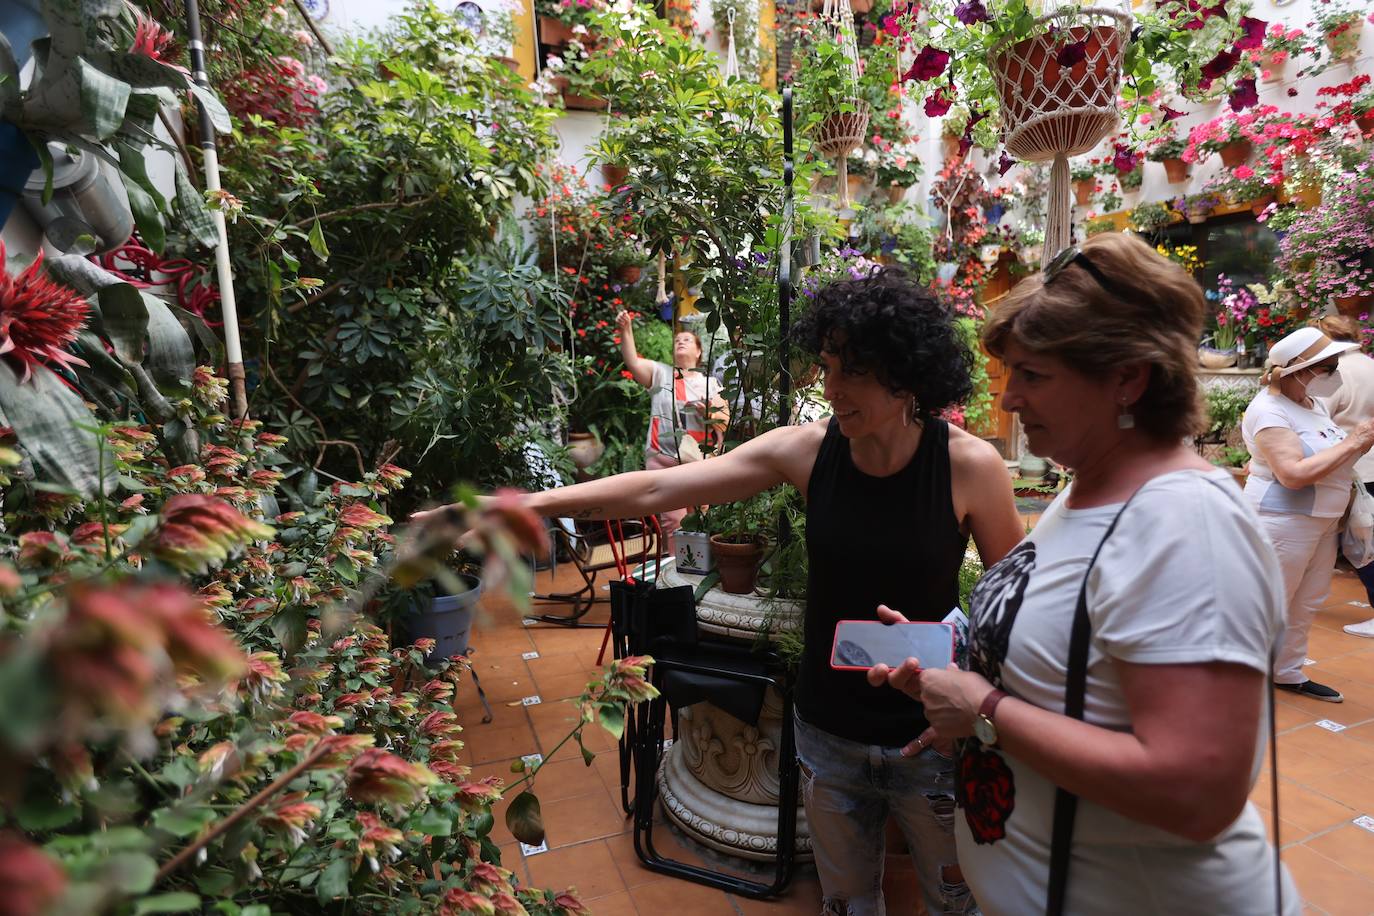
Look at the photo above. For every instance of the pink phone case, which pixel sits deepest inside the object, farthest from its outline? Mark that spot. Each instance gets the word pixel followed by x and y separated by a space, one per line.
pixel 834 641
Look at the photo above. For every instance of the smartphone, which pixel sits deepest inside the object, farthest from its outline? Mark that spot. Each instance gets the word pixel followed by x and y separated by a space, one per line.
pixel 861 644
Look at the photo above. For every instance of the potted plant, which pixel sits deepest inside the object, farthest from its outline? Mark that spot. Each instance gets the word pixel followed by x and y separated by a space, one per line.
pixel 835 114
pixel 1255 185
pixel 440 609
pixel 1096 225
pixel 1083 173
pixel 1168 149
pixel 692 545
pixel 1281 45
pixel 1326 251
pixel 1340 27
pixel 558 19
pixel 1109 200
pixel 1151 216
pixel 1221 354
pixel 1222 135
pixel 740 534
pixel 1196 207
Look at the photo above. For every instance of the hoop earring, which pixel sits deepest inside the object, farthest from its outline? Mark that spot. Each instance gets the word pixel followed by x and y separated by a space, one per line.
pixel 1126 419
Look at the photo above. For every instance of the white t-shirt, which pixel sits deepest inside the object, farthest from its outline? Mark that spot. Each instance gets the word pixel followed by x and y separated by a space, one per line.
pixel 1327 498
pixel 1353 402
pixel 669 393
pixel 1187 577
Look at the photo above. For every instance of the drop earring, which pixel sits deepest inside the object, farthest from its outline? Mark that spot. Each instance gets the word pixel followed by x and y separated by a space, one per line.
pixel 1126 419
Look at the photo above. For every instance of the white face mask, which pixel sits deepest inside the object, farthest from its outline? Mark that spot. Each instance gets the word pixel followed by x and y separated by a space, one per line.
pixel 1322 385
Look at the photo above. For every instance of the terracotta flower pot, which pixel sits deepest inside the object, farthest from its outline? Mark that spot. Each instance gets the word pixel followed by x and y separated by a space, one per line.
pixel 1365 121
pixel 554 31
pixel 1354 306
pixel 1343 44
pixel 1083 192
pixel 1197 219
pixel 629 274
pixel 583 102
pixel 615 175
pixel 738 564
pixel 1236 153
pixel 895 193
pixel 950 146
pixel 1176 170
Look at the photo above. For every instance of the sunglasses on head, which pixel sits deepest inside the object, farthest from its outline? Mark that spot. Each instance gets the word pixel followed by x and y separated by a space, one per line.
pixel 1070 256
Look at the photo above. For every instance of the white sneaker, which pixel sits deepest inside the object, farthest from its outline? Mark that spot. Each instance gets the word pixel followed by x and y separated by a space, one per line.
pixel 1365 629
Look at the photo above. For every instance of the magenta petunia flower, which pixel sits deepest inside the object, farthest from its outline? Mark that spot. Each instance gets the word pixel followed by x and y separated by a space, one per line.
pixel 971 11
pixel 929 64
pixel 939 102
pixel 1244 95
pixel 1253 39
pixel 1073 53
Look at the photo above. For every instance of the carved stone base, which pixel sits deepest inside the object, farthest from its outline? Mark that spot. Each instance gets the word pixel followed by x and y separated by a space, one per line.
pixel 720 822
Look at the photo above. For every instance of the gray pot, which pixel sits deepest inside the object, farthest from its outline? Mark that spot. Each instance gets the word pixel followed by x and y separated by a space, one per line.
pixel 447 620
pixel 88 199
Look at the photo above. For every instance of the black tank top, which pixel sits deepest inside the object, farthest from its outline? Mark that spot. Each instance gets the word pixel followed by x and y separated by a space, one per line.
pixel 874 540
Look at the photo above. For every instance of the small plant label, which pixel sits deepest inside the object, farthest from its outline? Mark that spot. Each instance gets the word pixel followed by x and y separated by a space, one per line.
pixel 531 701
pixel 532 760
pixel 529 656
pixel 1358 603
pixel 529 850
pixel 528 622
pixel 1331 726
pixel 1308 661
pixel 1365 822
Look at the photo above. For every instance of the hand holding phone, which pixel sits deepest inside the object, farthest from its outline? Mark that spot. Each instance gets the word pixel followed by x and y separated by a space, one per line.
pixel 861 644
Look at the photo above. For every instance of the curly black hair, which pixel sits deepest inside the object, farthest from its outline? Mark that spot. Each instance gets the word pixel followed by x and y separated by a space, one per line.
pixel 888 324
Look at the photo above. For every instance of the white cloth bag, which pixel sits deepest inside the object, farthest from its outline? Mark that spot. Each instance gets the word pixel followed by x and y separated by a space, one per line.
pixel 1357 540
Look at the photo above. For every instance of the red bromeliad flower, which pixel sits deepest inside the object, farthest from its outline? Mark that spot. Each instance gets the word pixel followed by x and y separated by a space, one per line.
pixel 154 42
pixel 38 318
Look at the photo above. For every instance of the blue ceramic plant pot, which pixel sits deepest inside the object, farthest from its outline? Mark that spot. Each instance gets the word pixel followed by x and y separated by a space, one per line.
pixel 995 213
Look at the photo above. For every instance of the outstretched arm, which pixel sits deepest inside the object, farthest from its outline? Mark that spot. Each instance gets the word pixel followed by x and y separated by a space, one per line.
pixel 642 369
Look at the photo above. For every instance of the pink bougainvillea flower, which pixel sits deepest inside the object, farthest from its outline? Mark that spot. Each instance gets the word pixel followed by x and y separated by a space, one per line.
pixel 38 318
pixel 1253 39
pixel 197 530
pixel 930 62
pixel 31 882
pixel 379 776
pixel 938 102
pixel 1244 95
pixel 1072 53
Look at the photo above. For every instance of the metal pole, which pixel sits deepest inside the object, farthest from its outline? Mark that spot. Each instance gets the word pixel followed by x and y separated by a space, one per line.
pixel 233 348
pixel 785 265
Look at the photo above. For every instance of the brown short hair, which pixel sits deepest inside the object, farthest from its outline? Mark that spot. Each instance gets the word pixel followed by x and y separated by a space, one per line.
pixel 1338 327
pixel 1077 321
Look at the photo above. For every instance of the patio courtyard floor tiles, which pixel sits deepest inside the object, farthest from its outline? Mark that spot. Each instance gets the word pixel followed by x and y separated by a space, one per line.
pixel 1326 767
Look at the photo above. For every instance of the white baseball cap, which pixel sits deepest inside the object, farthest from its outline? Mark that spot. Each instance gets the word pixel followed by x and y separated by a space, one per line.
pixel 1304 347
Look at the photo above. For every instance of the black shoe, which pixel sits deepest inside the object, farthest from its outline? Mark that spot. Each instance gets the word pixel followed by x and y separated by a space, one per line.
pixel 1313 690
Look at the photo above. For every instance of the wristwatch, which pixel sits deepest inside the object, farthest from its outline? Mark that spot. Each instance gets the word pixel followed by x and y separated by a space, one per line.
pixel 983 726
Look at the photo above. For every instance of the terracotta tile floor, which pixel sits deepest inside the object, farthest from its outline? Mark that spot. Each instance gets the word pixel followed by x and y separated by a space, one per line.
pixel 1326 781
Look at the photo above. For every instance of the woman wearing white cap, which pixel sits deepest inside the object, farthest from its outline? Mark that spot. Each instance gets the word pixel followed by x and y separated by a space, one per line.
pixel 1301 471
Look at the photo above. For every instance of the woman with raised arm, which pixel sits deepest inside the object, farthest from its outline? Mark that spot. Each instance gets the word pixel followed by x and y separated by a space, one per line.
pixel 893 493
pixel 1112 722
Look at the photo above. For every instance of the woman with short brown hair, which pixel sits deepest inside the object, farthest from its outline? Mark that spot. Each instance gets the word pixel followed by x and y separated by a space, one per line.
pixel 1109 772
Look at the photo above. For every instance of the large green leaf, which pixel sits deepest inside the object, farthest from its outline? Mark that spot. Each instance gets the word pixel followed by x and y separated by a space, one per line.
pixel 47 417
pixel 171 357
pixel 195 215
pixel 219 115
pixel 147 211
pixel 523 819
pixel 103 99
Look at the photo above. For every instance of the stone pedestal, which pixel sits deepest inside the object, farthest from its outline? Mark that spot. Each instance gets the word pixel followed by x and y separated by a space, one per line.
pixel 719 780
pixel 1232 379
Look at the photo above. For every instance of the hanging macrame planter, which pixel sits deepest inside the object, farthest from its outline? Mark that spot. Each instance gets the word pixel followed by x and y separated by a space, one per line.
pixel 842 132
pixel 1051 111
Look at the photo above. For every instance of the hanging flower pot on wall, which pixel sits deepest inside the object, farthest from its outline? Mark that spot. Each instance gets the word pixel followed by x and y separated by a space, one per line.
pixel 1176 170
pixel 89 209
pixel 1236 154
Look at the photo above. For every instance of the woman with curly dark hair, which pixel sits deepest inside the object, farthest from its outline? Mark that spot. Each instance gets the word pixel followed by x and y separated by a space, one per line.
pixel 893 493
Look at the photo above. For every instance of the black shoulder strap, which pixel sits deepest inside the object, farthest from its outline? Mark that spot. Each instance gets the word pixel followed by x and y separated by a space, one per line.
pixel 1065 802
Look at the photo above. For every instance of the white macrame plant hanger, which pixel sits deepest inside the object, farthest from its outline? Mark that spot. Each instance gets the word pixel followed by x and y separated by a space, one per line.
pixel 1067 117
pixel 842 132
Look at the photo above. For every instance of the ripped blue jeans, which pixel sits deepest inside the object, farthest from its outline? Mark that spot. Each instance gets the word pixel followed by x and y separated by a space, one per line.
pixel 849 790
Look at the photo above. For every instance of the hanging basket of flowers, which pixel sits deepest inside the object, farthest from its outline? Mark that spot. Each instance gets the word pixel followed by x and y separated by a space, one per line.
pixel 1058 89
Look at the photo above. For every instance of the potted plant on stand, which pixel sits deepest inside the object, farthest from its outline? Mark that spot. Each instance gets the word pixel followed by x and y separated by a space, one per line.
pixel 1340 27
pixel 741 531
pixel 834 113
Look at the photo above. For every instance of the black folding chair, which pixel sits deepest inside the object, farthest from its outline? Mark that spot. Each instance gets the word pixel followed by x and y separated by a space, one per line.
pixel 579 549
pixel 687 669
